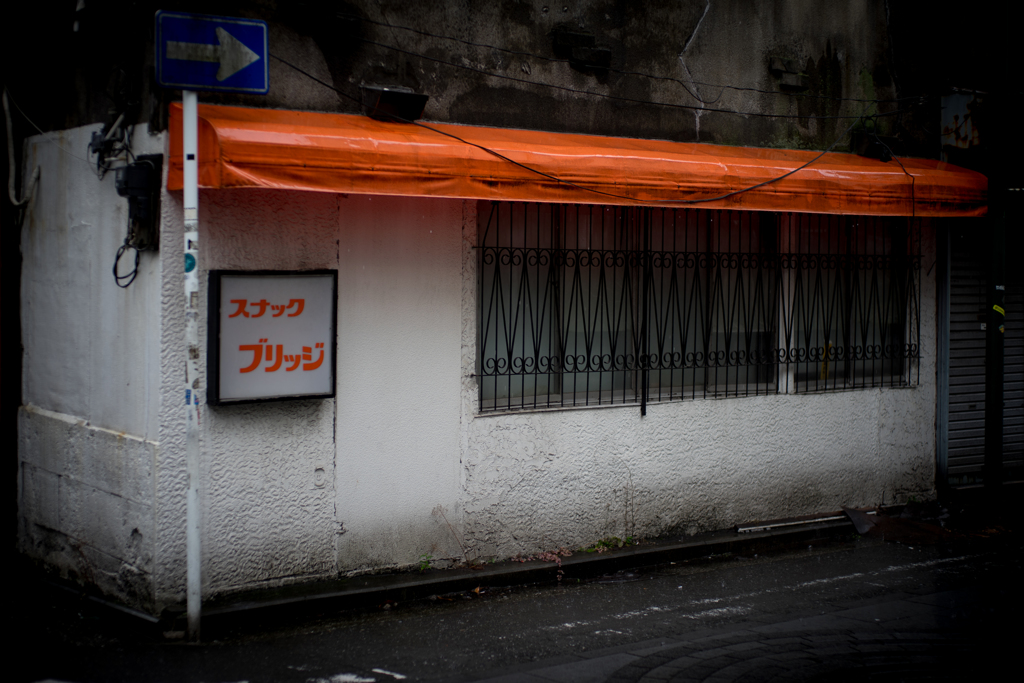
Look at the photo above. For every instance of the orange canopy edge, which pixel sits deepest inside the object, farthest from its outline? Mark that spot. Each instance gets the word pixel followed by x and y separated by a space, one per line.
pixel 293 150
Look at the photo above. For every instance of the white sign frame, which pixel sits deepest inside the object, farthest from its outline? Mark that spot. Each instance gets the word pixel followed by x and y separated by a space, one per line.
pixel 272 336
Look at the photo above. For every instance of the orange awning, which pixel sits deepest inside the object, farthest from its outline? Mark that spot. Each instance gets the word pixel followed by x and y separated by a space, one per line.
pixel 242 147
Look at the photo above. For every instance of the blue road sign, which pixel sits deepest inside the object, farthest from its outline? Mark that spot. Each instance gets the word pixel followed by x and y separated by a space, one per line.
pixel 201 52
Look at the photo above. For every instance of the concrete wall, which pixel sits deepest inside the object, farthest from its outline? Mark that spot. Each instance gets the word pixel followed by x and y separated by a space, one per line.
pixel 88 428
pixel 568 478
pixel 853 49
pixel 496 63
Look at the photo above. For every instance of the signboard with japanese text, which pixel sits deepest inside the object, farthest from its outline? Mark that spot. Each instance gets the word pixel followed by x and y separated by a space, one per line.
pixel 271 336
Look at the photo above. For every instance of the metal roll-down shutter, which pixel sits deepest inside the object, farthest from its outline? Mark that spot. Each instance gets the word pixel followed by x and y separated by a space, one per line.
pixel 968 313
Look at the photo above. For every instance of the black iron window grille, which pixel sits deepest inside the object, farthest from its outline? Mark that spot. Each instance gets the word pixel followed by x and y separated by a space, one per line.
pixel 589 305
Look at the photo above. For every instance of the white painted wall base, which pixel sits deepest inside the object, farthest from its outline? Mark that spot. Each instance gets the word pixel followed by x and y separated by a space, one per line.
pixel 568 478
pixel 85 500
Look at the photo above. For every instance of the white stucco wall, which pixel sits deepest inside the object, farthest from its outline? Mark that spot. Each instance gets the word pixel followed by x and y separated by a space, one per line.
pixel 387 448
pixel 88 428
pixel 540 480
pixel 569 478
pixel 398 380
pixel 267 513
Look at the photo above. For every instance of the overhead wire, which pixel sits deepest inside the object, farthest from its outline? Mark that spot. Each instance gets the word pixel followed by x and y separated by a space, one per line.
pixel 122 281
pixel 124 141
pixel 569 183
pixel 54 143
pixel 913 199
pixel 12 193
pixel 121 145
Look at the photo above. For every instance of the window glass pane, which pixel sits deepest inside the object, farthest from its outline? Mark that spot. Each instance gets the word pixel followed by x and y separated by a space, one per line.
pixel 583 304
pixel 598 298
pixel 851 283
pixel 518 326
pixel 712 302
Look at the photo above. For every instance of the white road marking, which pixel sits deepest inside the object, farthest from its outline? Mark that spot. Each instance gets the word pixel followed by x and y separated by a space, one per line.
pixel 717 612
pixel 730 611
pixel 568 624
pixel 835 579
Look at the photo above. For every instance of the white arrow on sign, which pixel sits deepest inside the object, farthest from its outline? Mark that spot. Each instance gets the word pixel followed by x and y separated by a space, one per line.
pixel 231 53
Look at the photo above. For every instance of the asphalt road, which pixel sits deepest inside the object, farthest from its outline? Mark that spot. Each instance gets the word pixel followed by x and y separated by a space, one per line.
pixel 857 610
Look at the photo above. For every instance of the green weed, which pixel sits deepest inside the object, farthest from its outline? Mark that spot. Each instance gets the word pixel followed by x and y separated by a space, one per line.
pixel 609 543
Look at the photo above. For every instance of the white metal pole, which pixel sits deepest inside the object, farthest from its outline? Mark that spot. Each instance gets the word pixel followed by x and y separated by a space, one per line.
pixel 193 547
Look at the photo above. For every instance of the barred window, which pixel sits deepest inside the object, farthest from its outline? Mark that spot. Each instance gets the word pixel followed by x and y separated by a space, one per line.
pixel 588 305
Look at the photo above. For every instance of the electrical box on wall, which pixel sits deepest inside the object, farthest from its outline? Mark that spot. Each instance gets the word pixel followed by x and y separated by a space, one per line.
pixel 139 181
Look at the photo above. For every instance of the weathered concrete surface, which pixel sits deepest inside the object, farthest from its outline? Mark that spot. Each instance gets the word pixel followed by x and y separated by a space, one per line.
pixel 398 380
pixel 268 470
pixel 297 491
pixel 85 503
pixel 497 64
pixel 571 477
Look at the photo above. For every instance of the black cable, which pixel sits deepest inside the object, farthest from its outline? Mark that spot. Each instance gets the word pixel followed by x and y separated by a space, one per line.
pixel 130 277
pixel 41 131
pixel 619 196
pixel 122 145
pixel 127 146
pixel 697 97
pixel 567 182
pixel 118 279
pixel 913 197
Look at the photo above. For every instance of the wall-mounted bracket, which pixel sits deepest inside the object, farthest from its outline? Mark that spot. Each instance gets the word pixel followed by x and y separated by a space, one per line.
pixel 393 103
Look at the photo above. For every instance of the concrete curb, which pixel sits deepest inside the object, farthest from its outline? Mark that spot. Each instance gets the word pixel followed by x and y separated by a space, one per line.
pixel 258 609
